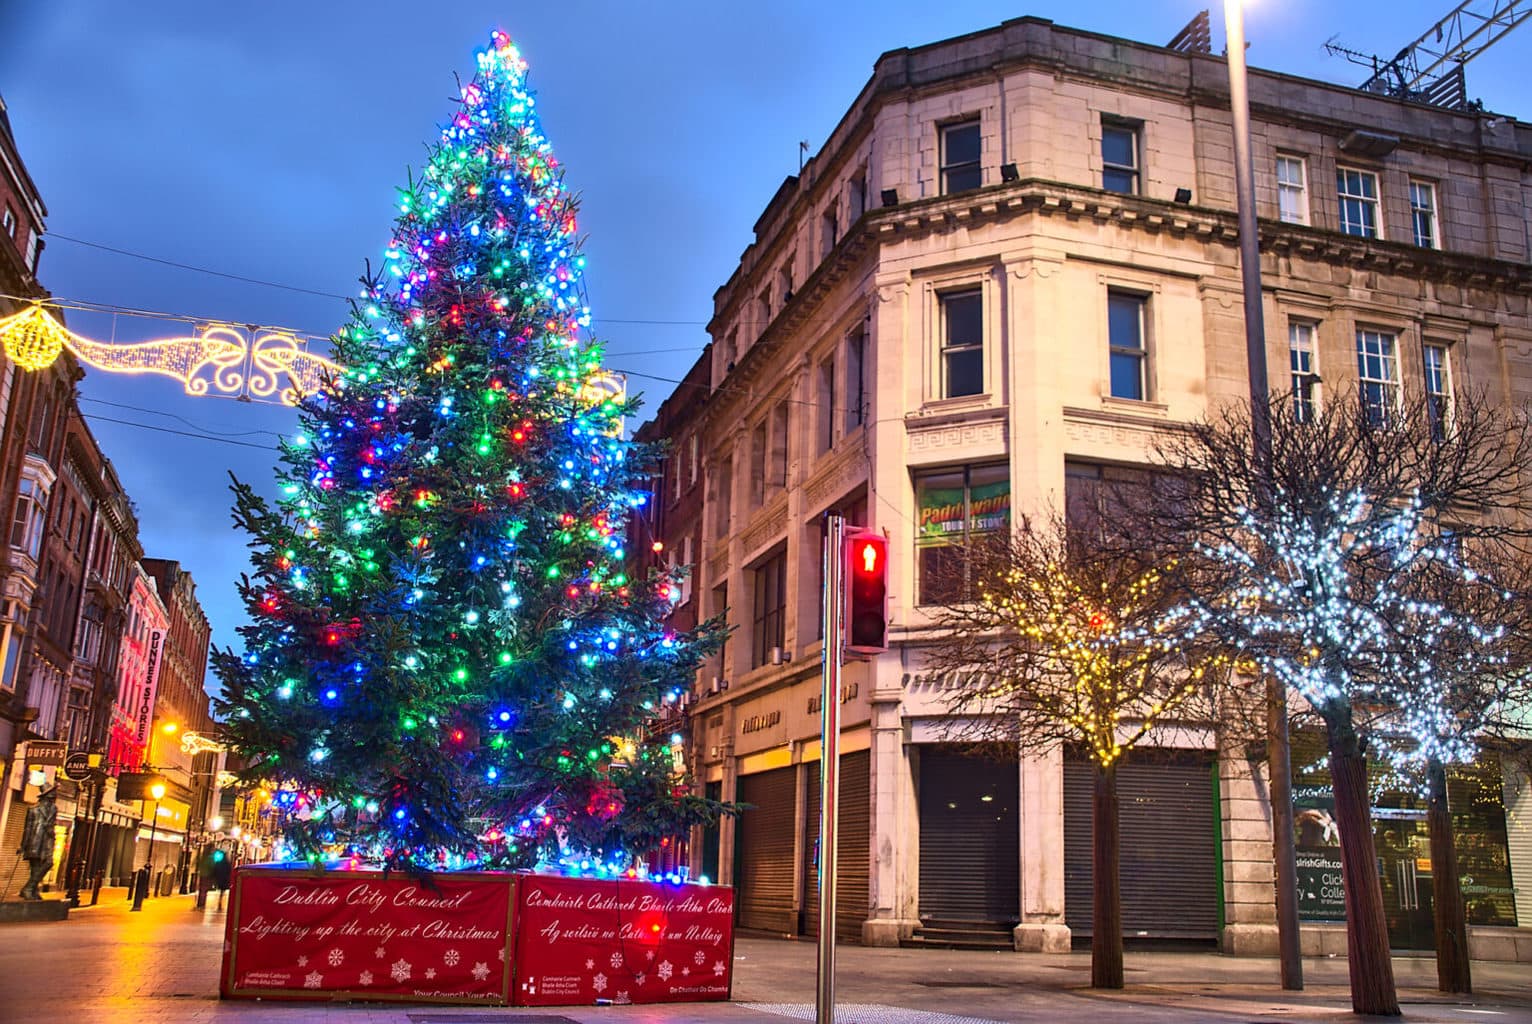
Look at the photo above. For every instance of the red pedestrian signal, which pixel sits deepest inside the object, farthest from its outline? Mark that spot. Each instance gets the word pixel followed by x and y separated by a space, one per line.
pixel 866 566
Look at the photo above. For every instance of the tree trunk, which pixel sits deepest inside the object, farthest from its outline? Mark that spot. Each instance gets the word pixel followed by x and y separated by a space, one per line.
pixel 1284 857
pixel 1106 939
pixel 1452 970
pixel 1367 951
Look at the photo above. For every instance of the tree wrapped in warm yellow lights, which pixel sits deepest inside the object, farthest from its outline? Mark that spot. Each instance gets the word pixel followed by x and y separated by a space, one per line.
pixel 1068 636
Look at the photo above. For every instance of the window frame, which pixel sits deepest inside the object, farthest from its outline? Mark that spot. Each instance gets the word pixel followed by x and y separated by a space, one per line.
pixel 1135 170
pixel 856 382
pixel 966 536
pixel 1374 202
pixel 1438 385
pixel 824 398
pixel 1305 381
pixel 1300 190
pixel 946 350
pixel 946 169
pixel 1380 396
pixel 1432 238
pixel 768 622
pixel 9 220
pixel 1140 352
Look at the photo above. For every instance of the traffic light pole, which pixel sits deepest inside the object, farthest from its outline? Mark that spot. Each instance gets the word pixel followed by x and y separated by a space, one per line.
pixel 829 763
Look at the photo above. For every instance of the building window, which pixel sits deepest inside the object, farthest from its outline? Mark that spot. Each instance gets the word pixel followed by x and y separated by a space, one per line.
pixel 723 485
pixel 693 458
pixel 1358 194
pixel 688 559
pixel 857 195
pixel 1292 190
pixel 960 157
pixel 785 283
pixel 1423 213
pixel 824 406
pixel 1304 361
pixel 758 438
pixel 829 233
pixel 856 378
pixel 1119 157
pixel 779 448
pixel 769 629
pixel 962 361
pixel 954 509
pixel 1125 337
pixel 1377 364
pixel 31 512
pixel 1438 388
pixel 8 221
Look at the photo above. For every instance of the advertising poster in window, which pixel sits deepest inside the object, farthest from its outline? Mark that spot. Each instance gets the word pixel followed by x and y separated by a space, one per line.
pixel 1321 896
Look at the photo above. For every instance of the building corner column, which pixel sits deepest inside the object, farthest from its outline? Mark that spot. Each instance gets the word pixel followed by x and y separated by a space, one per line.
pixel 1042 928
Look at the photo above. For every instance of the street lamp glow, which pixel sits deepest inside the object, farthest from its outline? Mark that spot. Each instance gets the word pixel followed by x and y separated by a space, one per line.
pixel 169 728
pixel 157 791
pixel 216 823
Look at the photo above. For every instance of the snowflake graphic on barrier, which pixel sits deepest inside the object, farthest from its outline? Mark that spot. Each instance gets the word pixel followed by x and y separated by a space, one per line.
pixel 303 961
pixel 598 984
pixel 665 970
pixel 337 958
pixel 380 952
pixel 480 971
pixel 430 973
pixel 699 958
pixel 718 968
pixel 451 957
pixel 312 979
pixel 401 970
pixel 640 978
pixel 365 978
pixel 616 961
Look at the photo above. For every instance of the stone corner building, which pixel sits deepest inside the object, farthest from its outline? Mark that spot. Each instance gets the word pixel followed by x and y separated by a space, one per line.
pixel 1012 263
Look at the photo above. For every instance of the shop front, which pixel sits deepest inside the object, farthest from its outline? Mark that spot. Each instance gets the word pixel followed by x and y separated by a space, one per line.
pixel 1401 839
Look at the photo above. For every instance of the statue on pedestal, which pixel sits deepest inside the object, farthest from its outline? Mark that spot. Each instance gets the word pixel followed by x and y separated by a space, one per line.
pixel 37 841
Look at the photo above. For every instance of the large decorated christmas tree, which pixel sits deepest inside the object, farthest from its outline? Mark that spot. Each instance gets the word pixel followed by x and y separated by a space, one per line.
pixel 449 661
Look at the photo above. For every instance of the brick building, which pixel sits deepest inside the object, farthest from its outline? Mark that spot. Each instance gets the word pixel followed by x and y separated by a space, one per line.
pixel 1011 266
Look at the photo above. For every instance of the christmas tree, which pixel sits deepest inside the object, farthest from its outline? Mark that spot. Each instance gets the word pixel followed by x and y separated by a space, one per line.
pixel 448 661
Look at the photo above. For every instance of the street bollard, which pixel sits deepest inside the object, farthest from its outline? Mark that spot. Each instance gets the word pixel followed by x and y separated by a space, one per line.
pixel 140 887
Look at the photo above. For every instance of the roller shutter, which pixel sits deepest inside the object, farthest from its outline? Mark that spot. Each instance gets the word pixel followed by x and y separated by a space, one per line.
pixel 970 848
pixel 855 848
pixel 1518 835
pixel 764 845
pixel 1168 871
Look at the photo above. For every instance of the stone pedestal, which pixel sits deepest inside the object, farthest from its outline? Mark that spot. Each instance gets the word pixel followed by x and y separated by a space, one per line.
pixel 34 910
pixel 1248 940
pixel 887 932
pixel 1042 938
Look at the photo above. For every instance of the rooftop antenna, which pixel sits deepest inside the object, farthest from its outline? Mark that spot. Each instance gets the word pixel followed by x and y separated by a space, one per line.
pixel 1430 70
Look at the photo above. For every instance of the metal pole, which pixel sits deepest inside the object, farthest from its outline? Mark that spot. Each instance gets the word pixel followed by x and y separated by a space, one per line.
pixel 829 765
pixel 1260 428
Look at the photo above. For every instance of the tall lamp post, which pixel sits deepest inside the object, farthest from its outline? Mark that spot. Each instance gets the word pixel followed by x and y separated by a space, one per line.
pixel 1278 753
pixel 158 792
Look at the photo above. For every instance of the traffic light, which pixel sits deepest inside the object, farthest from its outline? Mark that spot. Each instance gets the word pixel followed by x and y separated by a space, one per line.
pixel 866 581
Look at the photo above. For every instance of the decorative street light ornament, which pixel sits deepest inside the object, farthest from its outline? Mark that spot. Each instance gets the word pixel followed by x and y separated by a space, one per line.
pixel 33 339
pixel 223 359
pixel 195 743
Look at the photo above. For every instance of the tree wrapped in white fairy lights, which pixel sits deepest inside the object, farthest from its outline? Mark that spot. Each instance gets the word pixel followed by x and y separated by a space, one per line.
pixel 1318 569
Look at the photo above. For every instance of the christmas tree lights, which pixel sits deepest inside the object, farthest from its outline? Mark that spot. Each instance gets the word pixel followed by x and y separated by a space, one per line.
pixel 449 657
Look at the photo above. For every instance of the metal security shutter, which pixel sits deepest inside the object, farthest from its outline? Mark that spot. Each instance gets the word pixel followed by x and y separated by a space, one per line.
pixel 1518 837
pixel 764 843
pixel 970 846
pixel 1168 869
pixel 855 843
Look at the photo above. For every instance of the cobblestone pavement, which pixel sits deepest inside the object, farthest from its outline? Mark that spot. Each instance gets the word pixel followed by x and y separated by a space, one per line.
pixel 106 964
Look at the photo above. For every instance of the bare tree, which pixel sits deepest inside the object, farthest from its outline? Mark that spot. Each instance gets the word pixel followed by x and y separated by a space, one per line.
pixel 1058 640
pixel 1463 657
pixel 1306 568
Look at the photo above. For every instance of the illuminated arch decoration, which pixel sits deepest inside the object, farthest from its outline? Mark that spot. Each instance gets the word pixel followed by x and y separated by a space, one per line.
pixel 217 359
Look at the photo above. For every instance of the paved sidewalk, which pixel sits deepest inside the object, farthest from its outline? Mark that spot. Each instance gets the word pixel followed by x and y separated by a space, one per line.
pixel 159 966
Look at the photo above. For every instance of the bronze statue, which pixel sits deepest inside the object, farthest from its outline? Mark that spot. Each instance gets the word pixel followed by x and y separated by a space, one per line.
pixel 37 842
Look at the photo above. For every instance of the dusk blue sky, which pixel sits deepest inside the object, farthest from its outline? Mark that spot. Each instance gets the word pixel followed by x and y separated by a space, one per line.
pixel 266 140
